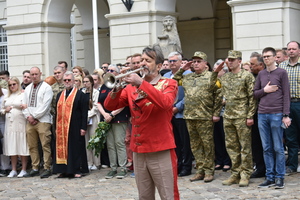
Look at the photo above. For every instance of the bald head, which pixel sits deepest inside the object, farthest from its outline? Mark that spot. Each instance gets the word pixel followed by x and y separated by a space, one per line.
pixel 35 75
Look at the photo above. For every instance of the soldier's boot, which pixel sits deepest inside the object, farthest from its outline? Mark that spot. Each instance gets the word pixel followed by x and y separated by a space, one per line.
pixel 208 178
pixel 231 180
pixel 244 182
pixel 197 177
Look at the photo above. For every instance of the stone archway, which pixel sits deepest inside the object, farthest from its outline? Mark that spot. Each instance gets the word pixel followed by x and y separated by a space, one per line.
pixel 58 14
pixel 57 31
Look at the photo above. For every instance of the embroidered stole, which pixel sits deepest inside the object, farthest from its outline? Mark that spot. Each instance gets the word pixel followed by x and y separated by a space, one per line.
pixel 63 119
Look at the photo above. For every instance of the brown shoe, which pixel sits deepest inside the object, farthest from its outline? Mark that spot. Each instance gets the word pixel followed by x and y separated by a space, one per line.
pixel 208 178
pixel 230 181
pixel 197 177
pixel 244 182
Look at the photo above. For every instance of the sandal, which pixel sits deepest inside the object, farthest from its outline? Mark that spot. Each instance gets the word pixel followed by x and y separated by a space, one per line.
pixel 218 167
pixel 77 175
pixel 62 175
pixel 226 168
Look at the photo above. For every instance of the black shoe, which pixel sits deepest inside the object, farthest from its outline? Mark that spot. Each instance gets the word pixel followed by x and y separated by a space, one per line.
pixel 184 173
pixel 3 173
pixel 289 171
pixel 279 183
pixel 46 173
pixel 257 174
pixel 32 173
pixel 266 184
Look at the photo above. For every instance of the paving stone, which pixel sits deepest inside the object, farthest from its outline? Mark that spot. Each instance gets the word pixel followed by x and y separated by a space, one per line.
pixel 95 186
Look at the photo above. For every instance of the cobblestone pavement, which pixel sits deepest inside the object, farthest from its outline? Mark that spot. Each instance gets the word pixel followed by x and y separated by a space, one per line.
pixel 95 186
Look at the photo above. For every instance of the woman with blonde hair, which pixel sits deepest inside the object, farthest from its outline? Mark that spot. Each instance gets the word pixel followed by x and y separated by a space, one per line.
pixel 78 81
pixel 15 143
pixel 246 66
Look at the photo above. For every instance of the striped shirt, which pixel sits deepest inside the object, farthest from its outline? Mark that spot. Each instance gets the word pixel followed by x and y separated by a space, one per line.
pixel 294 77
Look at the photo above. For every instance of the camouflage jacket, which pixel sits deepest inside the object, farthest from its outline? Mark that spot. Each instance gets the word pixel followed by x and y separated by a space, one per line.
pixel 56 88
pixel 3 84
pixel 237 90
pixel 200 90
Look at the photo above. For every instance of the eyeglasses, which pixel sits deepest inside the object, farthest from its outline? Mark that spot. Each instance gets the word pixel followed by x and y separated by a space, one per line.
pixel 268 56
pixel 67 80
pixel 197 61
pixel 12 84
pixel 111 70
pixel 170 61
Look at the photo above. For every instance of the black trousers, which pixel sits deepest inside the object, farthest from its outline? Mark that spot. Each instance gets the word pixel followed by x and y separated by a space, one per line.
pixel 183 146
pixel 257 149
pixel 221 155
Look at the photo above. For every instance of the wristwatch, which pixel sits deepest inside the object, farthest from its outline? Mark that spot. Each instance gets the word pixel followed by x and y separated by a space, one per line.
pixel 285 115
pixel 111 115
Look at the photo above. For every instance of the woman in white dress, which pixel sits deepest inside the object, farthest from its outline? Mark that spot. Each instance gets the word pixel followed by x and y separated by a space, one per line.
pixel 93 119
pixel 15 143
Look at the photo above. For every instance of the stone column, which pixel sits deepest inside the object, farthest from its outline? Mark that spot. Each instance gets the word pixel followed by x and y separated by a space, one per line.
pixel 131 31
pixel 104 51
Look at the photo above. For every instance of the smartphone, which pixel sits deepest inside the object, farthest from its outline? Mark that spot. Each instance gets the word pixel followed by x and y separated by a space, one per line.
pixel 283 125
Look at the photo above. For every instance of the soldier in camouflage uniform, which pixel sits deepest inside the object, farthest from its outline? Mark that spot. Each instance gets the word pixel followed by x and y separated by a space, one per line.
pixel 201 110
pixel 237 90
pixel 56 88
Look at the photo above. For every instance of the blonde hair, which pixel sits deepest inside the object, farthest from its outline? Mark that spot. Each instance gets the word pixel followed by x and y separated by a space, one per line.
pixel 79 78
pixel 100 73
pixel 246 63
pixel 15 79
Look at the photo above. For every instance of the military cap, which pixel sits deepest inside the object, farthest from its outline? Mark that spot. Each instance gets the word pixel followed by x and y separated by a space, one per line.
pixel 199 54
pixel 234 54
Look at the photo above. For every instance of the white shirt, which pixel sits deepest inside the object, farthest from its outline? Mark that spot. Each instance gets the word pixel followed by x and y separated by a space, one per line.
pixel 41 111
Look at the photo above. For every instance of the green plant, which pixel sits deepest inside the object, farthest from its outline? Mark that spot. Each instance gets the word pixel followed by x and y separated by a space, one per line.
pixel 98 140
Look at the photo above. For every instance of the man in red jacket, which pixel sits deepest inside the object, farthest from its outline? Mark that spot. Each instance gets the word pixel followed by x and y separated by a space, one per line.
pixel 151 102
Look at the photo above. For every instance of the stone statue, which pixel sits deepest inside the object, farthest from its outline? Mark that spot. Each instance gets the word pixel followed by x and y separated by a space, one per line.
pixel 169 40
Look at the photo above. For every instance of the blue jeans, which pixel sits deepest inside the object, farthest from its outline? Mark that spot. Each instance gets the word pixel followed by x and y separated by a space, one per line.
pixel 271 134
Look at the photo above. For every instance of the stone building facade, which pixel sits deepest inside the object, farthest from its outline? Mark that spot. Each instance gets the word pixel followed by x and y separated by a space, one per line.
pixel 42 32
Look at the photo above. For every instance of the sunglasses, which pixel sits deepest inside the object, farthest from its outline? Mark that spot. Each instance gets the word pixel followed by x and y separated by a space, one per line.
pixel 12 84
pixel 111 70
pixel 67 80
pixel 170 61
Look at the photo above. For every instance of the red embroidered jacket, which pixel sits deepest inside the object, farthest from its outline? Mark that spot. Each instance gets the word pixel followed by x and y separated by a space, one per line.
pixel 151 111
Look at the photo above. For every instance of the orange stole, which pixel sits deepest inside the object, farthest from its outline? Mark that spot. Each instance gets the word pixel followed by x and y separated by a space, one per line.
pixel 63 118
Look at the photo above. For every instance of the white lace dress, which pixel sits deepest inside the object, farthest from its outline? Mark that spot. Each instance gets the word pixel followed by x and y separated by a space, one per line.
pixel 15 142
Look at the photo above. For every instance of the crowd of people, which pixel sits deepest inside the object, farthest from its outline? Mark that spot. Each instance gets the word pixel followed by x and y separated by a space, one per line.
pixel 234 115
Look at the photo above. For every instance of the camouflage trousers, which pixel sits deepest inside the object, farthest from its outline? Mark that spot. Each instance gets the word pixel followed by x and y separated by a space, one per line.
pixel 238 145
pixel 202 145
